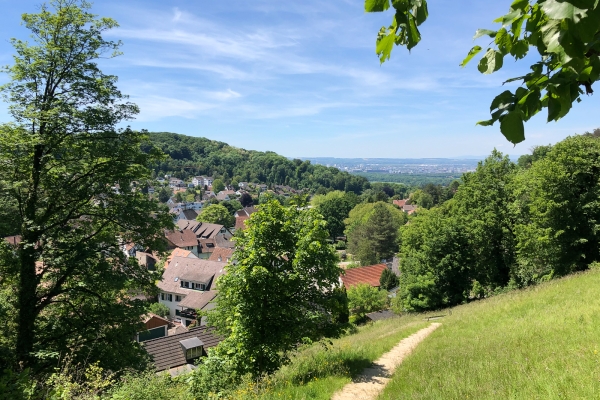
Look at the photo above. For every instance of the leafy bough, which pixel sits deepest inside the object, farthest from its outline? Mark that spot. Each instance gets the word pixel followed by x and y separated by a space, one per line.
pixel 565 33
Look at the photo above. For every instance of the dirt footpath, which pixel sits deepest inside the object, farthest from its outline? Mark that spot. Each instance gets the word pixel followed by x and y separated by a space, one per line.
pixel 371 382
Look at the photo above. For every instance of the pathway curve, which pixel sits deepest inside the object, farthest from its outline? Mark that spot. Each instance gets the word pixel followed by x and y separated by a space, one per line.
pixel 371 382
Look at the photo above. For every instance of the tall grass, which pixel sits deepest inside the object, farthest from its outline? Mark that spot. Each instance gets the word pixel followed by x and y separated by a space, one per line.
pixel 538 343
pixel 317 372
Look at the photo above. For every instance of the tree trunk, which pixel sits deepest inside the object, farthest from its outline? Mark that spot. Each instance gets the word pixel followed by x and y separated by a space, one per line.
pixel 27 306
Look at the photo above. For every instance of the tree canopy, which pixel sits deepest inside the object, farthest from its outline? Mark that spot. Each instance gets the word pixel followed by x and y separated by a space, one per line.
pixel 564 33
pixel 279 292
pixel 216 214
pixel 70 173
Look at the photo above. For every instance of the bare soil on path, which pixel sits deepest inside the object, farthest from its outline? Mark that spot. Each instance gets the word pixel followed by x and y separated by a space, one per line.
pixel 371 382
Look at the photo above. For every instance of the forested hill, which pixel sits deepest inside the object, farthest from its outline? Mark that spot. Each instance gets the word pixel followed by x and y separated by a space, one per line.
pixel 191 156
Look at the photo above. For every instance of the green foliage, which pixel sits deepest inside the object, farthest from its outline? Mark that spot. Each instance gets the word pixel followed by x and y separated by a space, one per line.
pixel 164 195
pixel 364 298
pixel 372 230
pixel 216 214
pixel 66 156
pixel 150 386
pixel 557 208
pixel 564 33
pixel 191 156
pixel 407 180
pixel 388 280
pixel 159 309
pixel 246 200
pixel 232 205
pixel 335 209
pixel 218 185
pixel 279 293
pixel 421 199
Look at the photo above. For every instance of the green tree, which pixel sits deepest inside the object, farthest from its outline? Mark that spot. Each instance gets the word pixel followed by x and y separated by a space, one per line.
pixel 557 209
pixel 232 205
pixel 246 200
pixel 216 214
pixel 335 210
pixel 281 291
pixel 218 185
pixel 373 231
pixel 388 280
pixel 422 199
pixel 563 33
pixel 364 298
pixel 70 170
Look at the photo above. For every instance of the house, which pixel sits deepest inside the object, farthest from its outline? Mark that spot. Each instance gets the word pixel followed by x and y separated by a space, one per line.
pixel 147 260
pixel 175 183
pixel 400 203
pixel 177 353
pixel 184 214
pixel 130 249
pixel 179 253
pixel 409 208
pixel 151 190
pixel 208 195
pixel 369 274
pixel 203 230
pixel 244 185
pixel 245 212
pixel 156 327
pixel 380 315
pixel 240 223
pixel 262 187
pixel 221 254
pixel 13 240
pixel 225 195
pixel 198 181
pixel 184 239
pixel 188 277
pixel 208 181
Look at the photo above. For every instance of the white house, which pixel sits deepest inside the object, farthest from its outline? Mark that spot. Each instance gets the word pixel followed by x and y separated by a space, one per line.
pixel 188 285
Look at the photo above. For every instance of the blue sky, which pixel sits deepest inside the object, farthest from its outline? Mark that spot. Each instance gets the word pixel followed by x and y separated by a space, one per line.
pixel 301 77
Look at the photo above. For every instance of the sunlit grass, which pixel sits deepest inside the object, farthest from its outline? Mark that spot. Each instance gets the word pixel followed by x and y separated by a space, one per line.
pixel 539 343
pixel 316 372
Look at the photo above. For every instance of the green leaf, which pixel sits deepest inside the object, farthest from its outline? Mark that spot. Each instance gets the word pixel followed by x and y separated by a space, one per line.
pixel 472 53
pixel 413 35
pixel 511 126
pixel 503 98
pixel 519 49
pixel 562 10
pixel 488 122
pixel 384 47
pixel 376 5
pixel 482 32
pixel 553 109
pixel 422 13
pixel 491 62
pixel 509 18
pixel 519 5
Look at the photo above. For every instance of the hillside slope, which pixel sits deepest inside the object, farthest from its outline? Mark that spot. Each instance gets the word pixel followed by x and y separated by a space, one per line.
pixel 190 156
pixel 539 343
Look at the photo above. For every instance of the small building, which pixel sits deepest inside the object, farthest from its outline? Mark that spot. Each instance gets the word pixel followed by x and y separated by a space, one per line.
pixel 221 254
pixel 156 327
pixel 184 239
pixel 369 274
pixel 178 353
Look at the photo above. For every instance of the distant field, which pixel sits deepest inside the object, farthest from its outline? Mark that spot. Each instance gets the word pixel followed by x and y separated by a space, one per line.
pixel 539 343
pixel 410 179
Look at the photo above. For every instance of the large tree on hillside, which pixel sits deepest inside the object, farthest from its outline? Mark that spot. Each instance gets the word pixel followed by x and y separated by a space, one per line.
pixel 69 172
pixel 564 33
pixel 281 290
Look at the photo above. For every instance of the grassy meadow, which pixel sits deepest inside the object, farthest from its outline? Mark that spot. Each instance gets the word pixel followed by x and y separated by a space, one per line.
pixel 316 373
pixel 538 343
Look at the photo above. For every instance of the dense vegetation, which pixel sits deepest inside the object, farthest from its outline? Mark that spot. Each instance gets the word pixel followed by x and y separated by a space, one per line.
pixel 506 227
pixel 410 180
pixel 191 156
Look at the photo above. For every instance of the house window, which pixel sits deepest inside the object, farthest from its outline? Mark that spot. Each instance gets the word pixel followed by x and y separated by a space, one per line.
pixel 177 298
pixel 200 286
pixel 194 352
pixel 162 296
pixel 177 312
pixel 185 284
pixel 170 297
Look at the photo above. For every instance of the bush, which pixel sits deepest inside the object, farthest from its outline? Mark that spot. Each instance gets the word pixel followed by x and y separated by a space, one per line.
pixel 388 280
pixel 363 299
pixel 159 309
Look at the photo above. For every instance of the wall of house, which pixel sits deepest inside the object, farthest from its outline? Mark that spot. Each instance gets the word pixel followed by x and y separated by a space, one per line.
pixel 173 305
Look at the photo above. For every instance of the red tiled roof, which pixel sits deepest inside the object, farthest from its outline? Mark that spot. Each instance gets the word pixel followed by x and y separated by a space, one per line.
pixel 400 203
pixel 221 252
pixel 239 222
pixel 184 238
pixel 369 274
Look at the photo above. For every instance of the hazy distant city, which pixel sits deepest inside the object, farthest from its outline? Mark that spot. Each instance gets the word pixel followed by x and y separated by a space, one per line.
pixel 399 165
